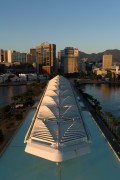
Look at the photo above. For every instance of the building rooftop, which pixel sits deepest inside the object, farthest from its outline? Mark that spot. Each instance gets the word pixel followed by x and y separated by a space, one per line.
pixel 58 122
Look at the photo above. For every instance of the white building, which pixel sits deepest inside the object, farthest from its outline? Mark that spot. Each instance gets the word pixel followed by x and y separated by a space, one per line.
pixel 28 77
pixel 23 77
pixel 58 131
pixel 15 79
pixel 32 76
pixel 99 71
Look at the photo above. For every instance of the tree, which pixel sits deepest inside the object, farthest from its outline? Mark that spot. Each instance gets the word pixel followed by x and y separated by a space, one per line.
pixel 1 135
pixel 2 68
pixel 99 76
pixel 18 116
pixel 5 110
pixel 109 75
pixel 112 119
pixel 118 136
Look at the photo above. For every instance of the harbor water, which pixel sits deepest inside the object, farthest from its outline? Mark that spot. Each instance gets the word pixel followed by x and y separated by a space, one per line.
pixel 107 94
pixel 7 92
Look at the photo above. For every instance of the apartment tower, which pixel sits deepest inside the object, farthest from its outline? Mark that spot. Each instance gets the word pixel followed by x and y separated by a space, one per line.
pixel 107 61
pixel 70 60
pixel 45 57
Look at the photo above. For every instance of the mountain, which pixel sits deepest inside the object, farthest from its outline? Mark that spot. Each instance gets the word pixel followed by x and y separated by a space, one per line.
pixel 96 57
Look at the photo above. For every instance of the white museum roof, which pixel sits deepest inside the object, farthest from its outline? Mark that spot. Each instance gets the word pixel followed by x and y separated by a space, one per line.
pixel 58 121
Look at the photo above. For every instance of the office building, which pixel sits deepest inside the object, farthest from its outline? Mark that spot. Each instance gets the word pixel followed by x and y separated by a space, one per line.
pixel 69 60
pixel 45 57
pixel 1 55
pixel 10 56
pixel 29 58
pixel 107 61
pixel 5 56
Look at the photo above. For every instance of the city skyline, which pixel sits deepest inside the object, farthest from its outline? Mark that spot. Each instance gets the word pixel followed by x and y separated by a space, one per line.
pixel 91 27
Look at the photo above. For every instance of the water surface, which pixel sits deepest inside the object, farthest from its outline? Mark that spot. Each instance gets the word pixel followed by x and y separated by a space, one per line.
pixel 7 92
pixel 108 95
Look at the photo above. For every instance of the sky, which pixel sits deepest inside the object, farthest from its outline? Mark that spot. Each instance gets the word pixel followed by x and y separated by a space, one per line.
pixel 92 26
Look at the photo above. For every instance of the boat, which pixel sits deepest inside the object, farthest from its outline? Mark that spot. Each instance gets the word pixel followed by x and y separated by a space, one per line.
pixel 58 131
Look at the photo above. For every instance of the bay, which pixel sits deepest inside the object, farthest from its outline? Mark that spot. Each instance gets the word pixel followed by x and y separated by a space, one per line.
pixel 7 92
pixel 107 94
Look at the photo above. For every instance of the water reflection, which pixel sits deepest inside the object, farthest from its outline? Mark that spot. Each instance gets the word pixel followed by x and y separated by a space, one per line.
pixel 105 91
pixel 6 92
pixel 108 96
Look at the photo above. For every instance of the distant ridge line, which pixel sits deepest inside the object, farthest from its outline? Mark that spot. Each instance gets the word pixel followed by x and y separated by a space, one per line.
pixel 98 56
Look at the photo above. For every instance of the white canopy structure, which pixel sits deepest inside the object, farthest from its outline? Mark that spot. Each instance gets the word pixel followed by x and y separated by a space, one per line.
pixel 57 131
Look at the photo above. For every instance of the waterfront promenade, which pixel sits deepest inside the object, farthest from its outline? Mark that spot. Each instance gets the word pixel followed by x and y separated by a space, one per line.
pixel 90 81
pixel 111 139
pixel 14 83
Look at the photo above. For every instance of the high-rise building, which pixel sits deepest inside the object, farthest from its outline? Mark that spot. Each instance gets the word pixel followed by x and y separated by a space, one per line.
pixel 1 55
pixel 5 56
pixel 10 56
pixel 70 60
pixel 61 55
pixel 45 57
pixel 29 58
pixel 33 56
pixel 16 57
pixel 107 61
pixel 23 57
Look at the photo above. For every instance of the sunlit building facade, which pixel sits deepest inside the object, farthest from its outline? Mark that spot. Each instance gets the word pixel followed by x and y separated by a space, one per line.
pixel 58 131
pixel 107 61
pixel 10 56
pixel 45 57
pixel 70 60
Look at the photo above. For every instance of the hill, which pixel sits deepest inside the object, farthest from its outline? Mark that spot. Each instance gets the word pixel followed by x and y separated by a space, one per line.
pixel 96 57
